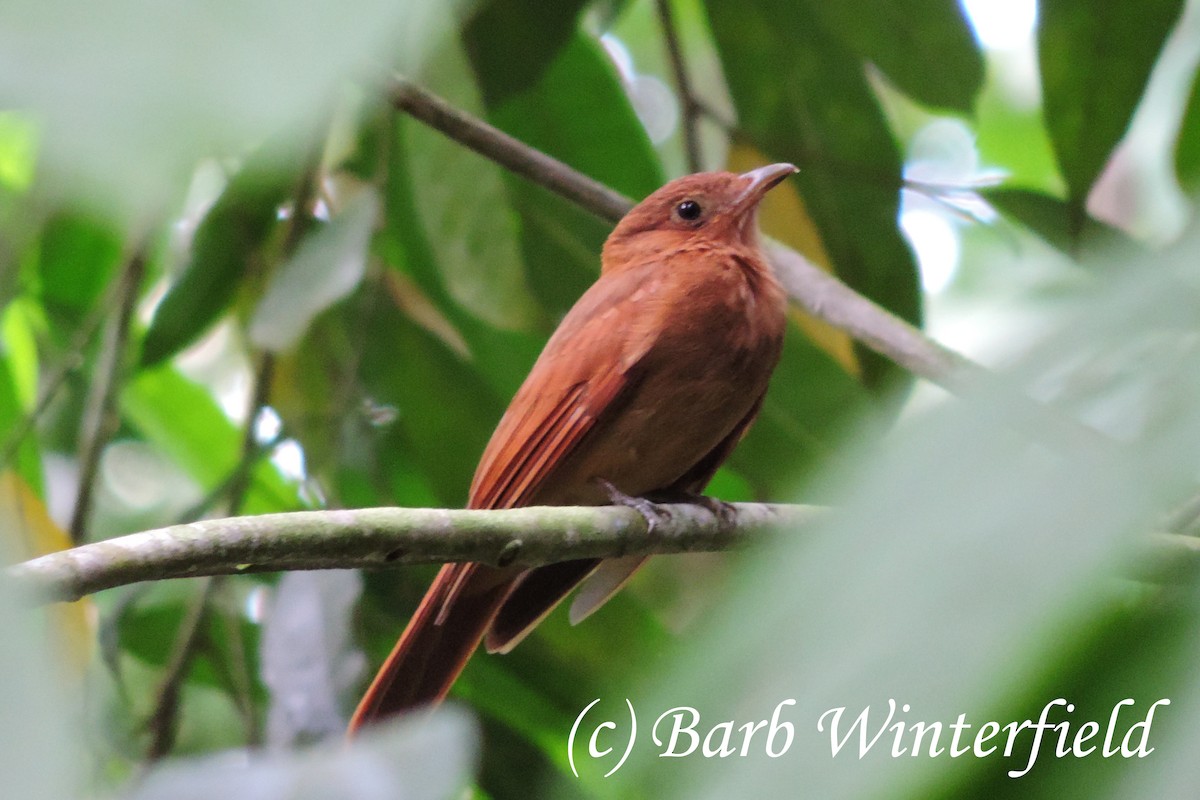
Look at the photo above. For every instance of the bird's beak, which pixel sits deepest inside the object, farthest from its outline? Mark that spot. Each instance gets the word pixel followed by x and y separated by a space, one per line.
pixel 760 181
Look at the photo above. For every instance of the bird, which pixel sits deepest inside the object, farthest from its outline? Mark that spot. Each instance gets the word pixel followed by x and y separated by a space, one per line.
pixel 643 390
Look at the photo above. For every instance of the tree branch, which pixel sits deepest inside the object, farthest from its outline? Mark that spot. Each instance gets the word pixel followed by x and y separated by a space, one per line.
pixel 818 292
pixel 385 537
pixel 390 537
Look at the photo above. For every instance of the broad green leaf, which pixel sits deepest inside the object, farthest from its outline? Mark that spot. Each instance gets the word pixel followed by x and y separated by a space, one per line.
pixel 502 29
pixel 18 150
pixel 230 236
pixel 578 95
pixel 925 47
pixel 129 98
pixel 183 419
pixel 326 267
pixel 502 356
pixel 1187 146
pixel 445 409
pixel 78 257
pixel 1132 653
pixel 460 199
pixel 18 390
pixel 1052 220
pixel 20 350
pixel 817 111
pixel 973 569
pixel 1095 60
pixel 811 400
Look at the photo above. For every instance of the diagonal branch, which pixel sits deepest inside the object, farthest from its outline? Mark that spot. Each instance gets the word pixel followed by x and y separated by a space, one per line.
pixel 385 537
pixel 819 293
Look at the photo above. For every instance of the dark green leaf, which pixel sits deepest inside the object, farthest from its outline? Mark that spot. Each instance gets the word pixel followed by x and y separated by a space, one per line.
pixel 818 112
pixel 810 398
pixel 1095 59
pixel 446 410
pixel 579 96
pixel 925 47
pixel 148 631
pixel 79 255
pixel 459 199
pixel 513 41
pixel 1052 219
pixel 224 247
pixel 1187 148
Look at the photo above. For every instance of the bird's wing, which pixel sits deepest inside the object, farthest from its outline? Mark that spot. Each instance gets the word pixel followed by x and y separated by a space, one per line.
pixel 587 366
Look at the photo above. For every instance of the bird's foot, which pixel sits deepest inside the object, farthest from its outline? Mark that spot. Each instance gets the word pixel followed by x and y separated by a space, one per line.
pixel 725 513
pixel 650 511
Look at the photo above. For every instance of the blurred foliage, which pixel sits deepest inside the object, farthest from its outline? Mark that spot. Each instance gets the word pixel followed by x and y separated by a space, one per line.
pixel 384 291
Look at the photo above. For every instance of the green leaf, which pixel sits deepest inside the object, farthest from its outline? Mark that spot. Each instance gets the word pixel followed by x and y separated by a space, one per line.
pixel 326 267
pixel 810 400
pixel 523 36
pixel 18 150
pixel 1052 219
pixel 79 255
pixel 1095 59
pixel 1130 653
pixel 1187 147
pixel 578 95
pixel 183 419
pixel 446 410
pixel 502 356
pixel 925 47
pixel 18 390
pixel 460 200
pixel 130 99
pixel 225 244
pixel 817 111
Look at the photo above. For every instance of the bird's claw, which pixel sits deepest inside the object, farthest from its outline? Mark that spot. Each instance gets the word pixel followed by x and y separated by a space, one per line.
pixel 650 511
pixel 725 513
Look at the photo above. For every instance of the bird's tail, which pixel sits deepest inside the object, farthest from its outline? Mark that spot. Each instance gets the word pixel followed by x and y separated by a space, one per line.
pixel 440 638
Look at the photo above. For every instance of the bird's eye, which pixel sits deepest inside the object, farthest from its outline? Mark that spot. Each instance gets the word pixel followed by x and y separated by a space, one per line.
pixel 689 211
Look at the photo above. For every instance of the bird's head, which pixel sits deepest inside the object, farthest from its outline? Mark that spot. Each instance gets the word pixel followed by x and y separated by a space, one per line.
pixel 716 208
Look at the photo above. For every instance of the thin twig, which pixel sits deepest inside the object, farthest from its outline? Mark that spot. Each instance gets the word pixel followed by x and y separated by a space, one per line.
pixel 238 675
pixel 100 420
pixel 163 722
pixel 690 117
pixel 389 537
pixel 510 153
pixel 71 363
pixel 239 483
pixel 223 488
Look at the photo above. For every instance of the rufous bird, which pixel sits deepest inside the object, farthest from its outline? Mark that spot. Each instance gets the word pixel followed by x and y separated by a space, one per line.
pixel 645 388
